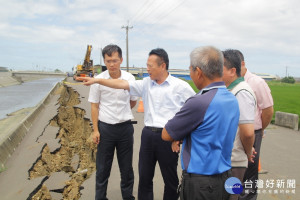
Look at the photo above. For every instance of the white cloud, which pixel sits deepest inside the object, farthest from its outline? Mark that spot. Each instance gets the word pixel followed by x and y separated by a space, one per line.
pixel 266 31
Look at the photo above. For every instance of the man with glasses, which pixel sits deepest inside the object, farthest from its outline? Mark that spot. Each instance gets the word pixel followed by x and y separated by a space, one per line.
pixel 113 129
pixel 163 95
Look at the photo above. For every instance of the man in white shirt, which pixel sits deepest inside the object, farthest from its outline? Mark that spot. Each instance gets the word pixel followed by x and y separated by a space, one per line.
pixel 163 96
pixel 113 129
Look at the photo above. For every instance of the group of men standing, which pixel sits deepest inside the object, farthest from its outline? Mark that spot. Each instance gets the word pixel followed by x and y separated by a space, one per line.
pixel 215 126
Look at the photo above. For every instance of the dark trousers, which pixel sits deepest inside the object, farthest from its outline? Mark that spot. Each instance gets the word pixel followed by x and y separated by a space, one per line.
pixel 119 137
pixel 153 149
pixel 237 172
pixel 252 170
pixel 204 187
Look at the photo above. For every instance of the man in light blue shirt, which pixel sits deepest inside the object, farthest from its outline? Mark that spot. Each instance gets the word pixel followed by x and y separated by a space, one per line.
pixel 163 95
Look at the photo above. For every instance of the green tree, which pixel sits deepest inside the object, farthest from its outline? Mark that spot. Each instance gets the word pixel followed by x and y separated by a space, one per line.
pixel 288 79
pixel 57 71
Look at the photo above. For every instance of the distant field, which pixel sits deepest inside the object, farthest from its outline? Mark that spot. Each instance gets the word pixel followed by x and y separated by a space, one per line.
pixel 286 96
pixel 192 85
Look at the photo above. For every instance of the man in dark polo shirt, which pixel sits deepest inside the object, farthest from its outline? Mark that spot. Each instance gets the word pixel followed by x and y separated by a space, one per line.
pixel 207 124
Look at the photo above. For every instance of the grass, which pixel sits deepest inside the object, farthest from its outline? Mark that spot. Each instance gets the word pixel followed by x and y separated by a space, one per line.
pixel 2 168
pixel 193 85
pixel 286 97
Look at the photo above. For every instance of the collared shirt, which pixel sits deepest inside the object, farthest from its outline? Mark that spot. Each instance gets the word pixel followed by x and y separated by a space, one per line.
pixel 161 101
pixel 114 104
pixel 207 124
pixel 235 83
pixel 246 99
pixel 263 96
pixel 247 106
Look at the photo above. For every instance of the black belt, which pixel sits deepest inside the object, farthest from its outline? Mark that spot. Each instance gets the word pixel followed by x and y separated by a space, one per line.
pixel 154 129
pixel 122 123
pixel 184 173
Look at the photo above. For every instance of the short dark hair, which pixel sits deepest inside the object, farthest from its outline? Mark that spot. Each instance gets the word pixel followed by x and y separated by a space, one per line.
pixel 232 60
pixel 163 56
pixel 111 48
pixel 240 54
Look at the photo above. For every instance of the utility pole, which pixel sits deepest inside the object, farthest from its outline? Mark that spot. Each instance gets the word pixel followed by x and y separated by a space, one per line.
pixel 127 57
pixel 101 56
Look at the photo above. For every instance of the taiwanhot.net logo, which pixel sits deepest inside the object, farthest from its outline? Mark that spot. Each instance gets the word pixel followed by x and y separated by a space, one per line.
pixel 233 186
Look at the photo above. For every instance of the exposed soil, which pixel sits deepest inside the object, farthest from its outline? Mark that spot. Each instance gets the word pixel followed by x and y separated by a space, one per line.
pixel 76 152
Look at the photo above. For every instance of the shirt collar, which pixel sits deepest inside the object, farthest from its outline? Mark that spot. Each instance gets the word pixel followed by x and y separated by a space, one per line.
pixel 167 81
pixel 109 77
pixel 235 82
pixel 214 85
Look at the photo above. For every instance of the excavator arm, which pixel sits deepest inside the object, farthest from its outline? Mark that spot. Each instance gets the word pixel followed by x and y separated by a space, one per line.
pixel 87 60
pixel 86 69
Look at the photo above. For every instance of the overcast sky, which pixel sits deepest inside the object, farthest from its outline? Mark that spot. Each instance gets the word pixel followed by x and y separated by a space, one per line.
pixel 46 35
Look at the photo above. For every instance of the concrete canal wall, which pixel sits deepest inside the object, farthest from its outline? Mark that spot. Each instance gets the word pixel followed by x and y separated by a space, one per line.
pixel 6 79
pixel 17 77
pixel 13 138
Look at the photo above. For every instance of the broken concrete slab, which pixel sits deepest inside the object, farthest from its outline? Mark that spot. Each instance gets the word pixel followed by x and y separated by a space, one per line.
pixel 49 133
pixel 88 187
pixel 56 195
pixel 75 161
pixel 57 181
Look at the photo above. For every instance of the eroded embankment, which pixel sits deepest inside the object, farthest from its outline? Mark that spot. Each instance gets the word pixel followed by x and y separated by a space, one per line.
pixel 75 154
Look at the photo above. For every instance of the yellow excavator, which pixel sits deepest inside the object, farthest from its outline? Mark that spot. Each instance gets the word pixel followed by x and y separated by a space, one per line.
pixel 87 68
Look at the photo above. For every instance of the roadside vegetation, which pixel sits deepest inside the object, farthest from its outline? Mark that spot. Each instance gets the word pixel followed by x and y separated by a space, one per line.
pixel 193 85
pixel 288 79
pixel 2 168
pixel 286 97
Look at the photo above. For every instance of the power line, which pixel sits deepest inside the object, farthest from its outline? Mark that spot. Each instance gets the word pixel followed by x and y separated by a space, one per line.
pixel 155 9
pixel 141 10
pixel 144 10
pixel 148 8
pixel 163 16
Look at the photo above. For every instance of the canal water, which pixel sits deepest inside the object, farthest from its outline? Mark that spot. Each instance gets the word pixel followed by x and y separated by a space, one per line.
pixel 28 94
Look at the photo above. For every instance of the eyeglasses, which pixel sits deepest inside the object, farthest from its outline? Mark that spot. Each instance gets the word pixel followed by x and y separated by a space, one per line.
pixel 151 66
pixel 112 61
